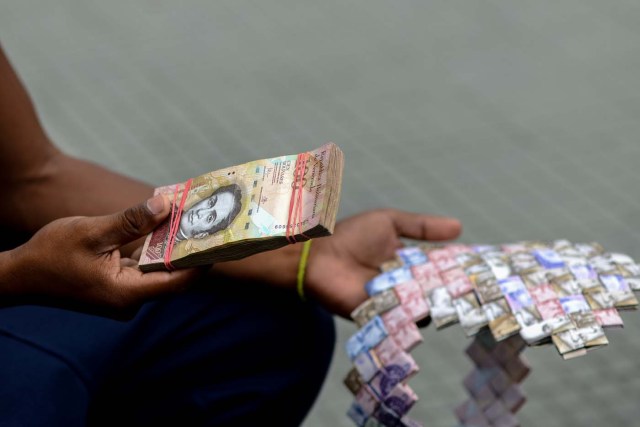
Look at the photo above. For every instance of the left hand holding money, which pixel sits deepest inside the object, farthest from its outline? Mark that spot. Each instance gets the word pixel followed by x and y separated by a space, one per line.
pixel 76 263
pixel 340 265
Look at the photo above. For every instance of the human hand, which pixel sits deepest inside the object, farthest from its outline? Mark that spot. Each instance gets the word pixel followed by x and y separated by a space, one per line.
pixel 340 265
pixel 76 263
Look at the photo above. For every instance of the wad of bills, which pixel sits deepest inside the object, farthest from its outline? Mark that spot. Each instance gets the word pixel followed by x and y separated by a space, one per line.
pixel 241 210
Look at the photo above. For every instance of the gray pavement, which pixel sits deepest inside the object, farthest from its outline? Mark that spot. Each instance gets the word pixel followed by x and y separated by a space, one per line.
pixel 520 118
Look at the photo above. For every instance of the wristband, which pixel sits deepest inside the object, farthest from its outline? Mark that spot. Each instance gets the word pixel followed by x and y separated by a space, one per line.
pixel 302 267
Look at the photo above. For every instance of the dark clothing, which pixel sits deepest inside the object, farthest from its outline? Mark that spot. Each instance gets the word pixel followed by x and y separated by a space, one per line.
pixel 220 354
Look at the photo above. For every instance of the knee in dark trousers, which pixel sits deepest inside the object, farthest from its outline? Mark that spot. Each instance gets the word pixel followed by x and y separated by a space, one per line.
pixel 262 355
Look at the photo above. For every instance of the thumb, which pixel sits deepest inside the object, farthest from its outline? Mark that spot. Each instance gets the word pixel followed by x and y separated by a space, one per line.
pixel 137 221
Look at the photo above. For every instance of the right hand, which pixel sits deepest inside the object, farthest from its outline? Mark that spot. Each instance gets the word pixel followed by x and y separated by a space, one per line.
pixel 76 263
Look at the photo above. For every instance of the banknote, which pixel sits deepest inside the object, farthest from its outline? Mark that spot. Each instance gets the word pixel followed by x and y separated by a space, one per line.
pixel 574 304
pixel 378 304
pixel 589 250
pixel 608 318
pixel 534 278
pixel 400 369
pixel 629 270
pixel 585 275
pixel 603 264
pixel 353 381
pixel 428 276
pixel 364 312
pixel 367 337
pixel 387 350
pixel 408 337
pixel 486 286
pixel 400 399
pixel 357 414
pixel 550 309
pixel 396 318
pixel 589 330
pixel 633 282
pixel 568 341
pixel 498 263
pixel 542 293
pixel 619 290
pixel 234 212
pixel 457 282
pixel 471 316
pixel 367 364
pixel 523 261
pixel 548 258
pixel 411 297
pixel 390 265
pixel 502 322
pixel 411 255
pixel 385 301
pixel 367 400
pixel 566 285
pixel 442 259
pixel 600 299
pixel 540 331
pixel 469 259
pixel 443 312
pixel 527 316
pixel 388 279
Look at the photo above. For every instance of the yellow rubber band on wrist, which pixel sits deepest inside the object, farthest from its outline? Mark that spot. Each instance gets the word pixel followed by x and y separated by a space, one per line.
pixel 302 268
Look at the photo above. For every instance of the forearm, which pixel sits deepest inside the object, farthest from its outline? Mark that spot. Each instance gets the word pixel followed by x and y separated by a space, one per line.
pixel 65 186
pixel 276 268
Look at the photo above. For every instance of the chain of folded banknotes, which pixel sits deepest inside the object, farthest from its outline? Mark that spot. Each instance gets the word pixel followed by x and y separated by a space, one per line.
pixel 506 297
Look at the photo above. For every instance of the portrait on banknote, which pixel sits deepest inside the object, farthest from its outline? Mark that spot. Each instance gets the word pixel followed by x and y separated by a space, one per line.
pixel 211 214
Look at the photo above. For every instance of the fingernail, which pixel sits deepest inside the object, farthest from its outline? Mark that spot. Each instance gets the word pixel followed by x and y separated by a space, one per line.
pixel 156 204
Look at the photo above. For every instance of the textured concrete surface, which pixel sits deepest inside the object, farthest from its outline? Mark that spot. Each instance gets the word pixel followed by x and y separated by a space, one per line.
pixel 520 118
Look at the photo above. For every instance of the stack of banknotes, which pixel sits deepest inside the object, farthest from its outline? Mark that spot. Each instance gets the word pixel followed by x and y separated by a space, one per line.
pixel 241 210
pixel 556 293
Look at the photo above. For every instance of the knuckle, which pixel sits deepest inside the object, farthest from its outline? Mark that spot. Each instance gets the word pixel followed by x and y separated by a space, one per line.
pixel 91 232
pixel 133 220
